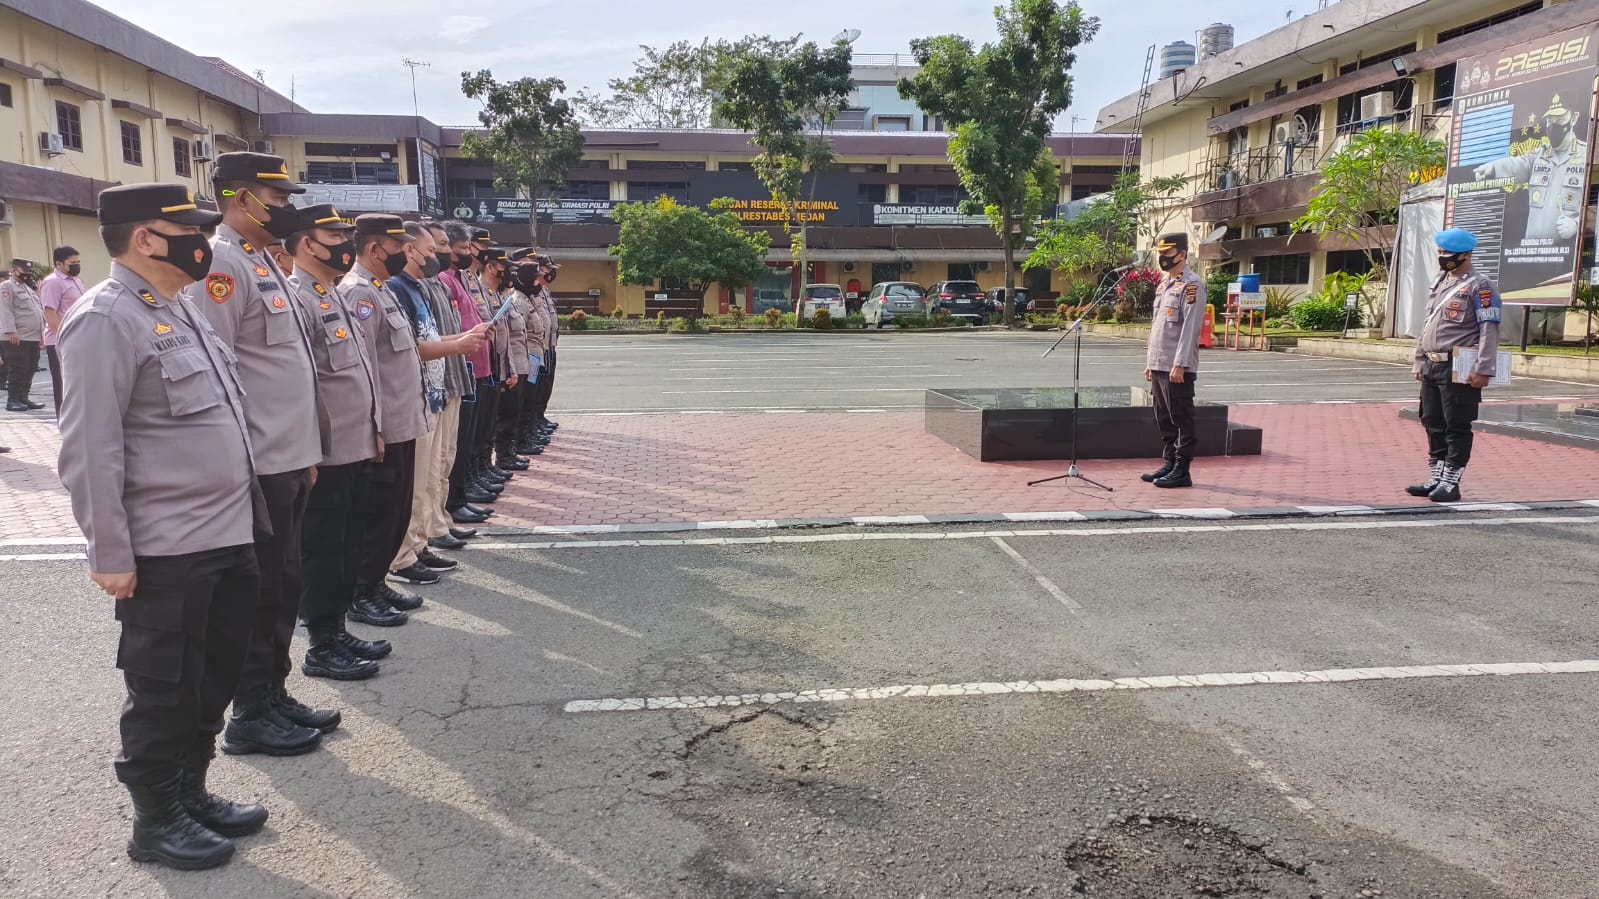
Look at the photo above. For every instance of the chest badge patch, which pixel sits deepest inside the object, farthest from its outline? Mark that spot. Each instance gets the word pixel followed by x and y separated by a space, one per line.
pixel 340 334
pixel 324 305
pixel 262 272
pixel 1486 298
pixel 162 329
pixel 219 286
pixel 279 303
pixel 1192 294
pixel 364 309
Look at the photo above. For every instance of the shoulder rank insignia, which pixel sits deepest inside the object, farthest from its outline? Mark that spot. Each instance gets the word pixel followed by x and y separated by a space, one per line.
pixel 279 303
pixel 340 334
pixel 262 272
pixel 148 297
pixel 376 283
pixel 317 286
pixel 162 328
pixel 220 286
pixel 246 245
pixel 364 309
pixel 1486 298
pixel 1192 294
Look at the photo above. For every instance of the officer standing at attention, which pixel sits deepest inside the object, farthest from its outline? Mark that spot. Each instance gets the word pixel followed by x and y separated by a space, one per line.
pixel 253 310
pixel 22 330
pixel 1462 313
pixel 380 244
pixel 1172 359
pixel 519 279
pixel 335 518
pixel 155 453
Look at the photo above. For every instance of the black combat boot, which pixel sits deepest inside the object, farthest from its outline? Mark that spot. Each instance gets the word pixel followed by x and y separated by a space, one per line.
pixel 369 608
pixel 166 834
pixel 371 650
pixel 1426 488
pixel 1177 477
pixel 231 819
pixel 257 726
pixel 1448 489
pixel 328 658
pixel 323 720
pixel 405 602
pixel 1160 472
pixel 507 462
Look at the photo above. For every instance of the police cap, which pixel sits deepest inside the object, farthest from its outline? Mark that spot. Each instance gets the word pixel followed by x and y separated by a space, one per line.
pixel 382 225
pixel 1456 240
pixel 147 202
pixel 323 215
pixel 21 263
pixel 493 254
pixel 522 253
pixel 482 236
pixel 262 168
pixel 1177 242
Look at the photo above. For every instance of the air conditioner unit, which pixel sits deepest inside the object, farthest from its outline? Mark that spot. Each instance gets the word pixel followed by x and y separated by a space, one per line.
pixel 906 265
pixel 51 143
pixel 6 218
pixel 983 266
pixel 849 268
pixel 1377 106
pixel 1283 133
pixel 204 151
pixel 263 146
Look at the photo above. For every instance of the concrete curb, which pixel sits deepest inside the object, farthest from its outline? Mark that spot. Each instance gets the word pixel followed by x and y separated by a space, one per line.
pixel 1579 369
pixel 1011 518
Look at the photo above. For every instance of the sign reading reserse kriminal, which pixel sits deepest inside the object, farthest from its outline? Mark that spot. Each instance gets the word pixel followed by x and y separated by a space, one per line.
pixel 1518 162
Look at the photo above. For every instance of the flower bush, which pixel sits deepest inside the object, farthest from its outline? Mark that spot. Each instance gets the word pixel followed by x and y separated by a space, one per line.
pixel 1137 288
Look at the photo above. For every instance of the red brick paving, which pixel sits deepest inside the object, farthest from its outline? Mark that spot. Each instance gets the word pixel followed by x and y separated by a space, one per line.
pixel 621 469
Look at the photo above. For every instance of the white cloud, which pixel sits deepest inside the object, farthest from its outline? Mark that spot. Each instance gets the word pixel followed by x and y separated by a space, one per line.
pixel 463 28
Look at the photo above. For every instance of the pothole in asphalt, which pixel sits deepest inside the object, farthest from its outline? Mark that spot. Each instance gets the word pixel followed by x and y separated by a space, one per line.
pixel 759 748
pixel 1168 858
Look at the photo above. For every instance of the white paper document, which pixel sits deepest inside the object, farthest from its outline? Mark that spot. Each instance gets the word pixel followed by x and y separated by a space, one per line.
pixel 1466 360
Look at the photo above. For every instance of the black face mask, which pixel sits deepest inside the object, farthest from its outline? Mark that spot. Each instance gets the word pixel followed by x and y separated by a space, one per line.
pixel 74 269
pixel 341 256
pixel 1557 132
pixel 395 263
pixel 188 253
pixel 431 267
pixel 1450 261
pixel 25 277
pixel 460 263
pixel 549 277
pixel 1167 263
pixel 281 220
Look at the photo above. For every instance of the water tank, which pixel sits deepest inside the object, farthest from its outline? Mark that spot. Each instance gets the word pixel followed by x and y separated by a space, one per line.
pixel 1176 56
pixel 1218 38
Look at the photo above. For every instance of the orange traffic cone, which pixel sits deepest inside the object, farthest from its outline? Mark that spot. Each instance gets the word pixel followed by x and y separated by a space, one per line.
pixel 1207 335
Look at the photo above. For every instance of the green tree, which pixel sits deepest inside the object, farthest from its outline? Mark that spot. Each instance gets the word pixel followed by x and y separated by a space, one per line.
pixel 1105 233
pixel 1587 300
pixel 1360 188
pixel 1001 103
pixel 671 88
pixel 530 133
pixel 665 240
pixel 787 96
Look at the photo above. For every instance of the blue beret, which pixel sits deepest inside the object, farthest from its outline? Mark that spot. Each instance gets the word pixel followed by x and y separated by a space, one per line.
pixel 1456 240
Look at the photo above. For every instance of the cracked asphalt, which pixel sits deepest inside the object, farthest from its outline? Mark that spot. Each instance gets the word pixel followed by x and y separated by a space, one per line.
pixel 458 771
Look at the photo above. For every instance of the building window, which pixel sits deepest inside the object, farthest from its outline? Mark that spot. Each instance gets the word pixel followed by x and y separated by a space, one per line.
pixel 893 123
pixel 352 151
pixel 132 144
pixel 1312 81
pixel 478 188
pixel 352 172
pixel 1084 191
pixel 1277 91
pixel 584 190
pixel 931 123
pixel 1525 9
pixel 735 167
pixel 963 271
pixel 1443 87
pixel 1290 269
pixel 5 94
pixel 181 157
pixel 69 124
pixel 933 194
pixel 1355 262
pixel 665 165
pixel 1369 61
pixel 648 191
pixel 872 193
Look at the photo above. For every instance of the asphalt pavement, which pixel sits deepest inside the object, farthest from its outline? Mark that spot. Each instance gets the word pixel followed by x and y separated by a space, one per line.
pixel 980 742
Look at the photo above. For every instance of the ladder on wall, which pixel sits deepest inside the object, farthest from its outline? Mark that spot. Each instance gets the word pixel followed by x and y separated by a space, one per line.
pixel 1130 157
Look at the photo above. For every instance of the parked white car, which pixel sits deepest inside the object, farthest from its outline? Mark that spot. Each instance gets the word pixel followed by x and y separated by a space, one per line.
pixel 823 296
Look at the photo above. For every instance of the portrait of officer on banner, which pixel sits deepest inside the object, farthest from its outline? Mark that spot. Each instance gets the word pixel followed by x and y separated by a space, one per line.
pixel 1554 172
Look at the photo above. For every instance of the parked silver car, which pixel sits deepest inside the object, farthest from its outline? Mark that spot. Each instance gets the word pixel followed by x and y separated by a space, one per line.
pixel 893 298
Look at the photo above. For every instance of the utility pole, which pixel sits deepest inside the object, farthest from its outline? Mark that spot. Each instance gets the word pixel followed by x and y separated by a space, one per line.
pixel 413 65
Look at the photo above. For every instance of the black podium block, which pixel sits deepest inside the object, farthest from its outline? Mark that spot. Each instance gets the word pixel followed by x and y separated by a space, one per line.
pixel 1030 424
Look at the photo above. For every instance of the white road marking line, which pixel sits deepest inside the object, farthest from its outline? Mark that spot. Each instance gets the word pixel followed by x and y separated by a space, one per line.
pixel 779 539
pixel 1338 510
pixel 890 519
pixel 1045 516
pixel 1049 586
pixel 1277 781
pixel 1090 685
pixel 1195 513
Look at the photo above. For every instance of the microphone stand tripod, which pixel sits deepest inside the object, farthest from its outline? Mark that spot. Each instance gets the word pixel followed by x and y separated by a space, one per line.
pixel 1077 378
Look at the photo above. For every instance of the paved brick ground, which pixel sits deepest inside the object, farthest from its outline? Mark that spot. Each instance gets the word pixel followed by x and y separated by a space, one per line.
pixel 641 469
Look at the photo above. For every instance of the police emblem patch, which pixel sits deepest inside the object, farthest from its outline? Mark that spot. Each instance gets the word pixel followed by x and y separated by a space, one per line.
pixel 1486 298
pixel 162 328
pixel 219 286
pixel 324 305
pixel 279 303
pixel 364 309
pixel 262 272
pixel 340 334
pixel 1193 294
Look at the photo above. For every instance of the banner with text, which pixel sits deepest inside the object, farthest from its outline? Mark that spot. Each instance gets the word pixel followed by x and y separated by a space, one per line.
pixel 909 214
pixel 1518 162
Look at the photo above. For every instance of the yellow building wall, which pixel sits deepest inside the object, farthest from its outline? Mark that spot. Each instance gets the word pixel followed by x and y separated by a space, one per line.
pixel 30 236
pixel 82 233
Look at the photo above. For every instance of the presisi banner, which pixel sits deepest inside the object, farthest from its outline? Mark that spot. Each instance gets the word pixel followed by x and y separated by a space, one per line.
pixel 1518 162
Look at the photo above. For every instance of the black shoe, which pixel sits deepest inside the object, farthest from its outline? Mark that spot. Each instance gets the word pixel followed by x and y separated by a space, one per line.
pixel 463 516
pixel 369 609
pixel 1445 493
pixel 415 573
pixel 370 650
pixel 512 464
pixel 427 559
pixel 405 602
pixel 463 533
pixel 1424 490
pixel 260 728
pixel 473 495
pixel 498 474
pixel 231 819
pixel 322 720
pixel 530 449
pixel 1177 477
pixel 165 833
pixel 448 542
pixel 552 425
pixel 33 405
pixel 492 488
pixel 486 513
pixel 1159 473
pixel 16 407
pixel 327 658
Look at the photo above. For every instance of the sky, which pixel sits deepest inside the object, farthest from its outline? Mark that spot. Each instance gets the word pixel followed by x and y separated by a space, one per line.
pixel 346 57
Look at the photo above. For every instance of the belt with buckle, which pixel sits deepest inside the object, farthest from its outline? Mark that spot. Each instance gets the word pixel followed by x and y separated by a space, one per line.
pixel 1438 357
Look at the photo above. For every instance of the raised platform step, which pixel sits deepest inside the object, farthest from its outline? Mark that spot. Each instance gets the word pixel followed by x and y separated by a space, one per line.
pixel 1559 424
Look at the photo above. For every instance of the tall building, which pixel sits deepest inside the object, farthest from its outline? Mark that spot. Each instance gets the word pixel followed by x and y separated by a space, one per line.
pixel 1175 57
pixel 875 104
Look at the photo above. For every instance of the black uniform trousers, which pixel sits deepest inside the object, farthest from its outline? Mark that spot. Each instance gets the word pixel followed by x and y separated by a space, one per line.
pixel 331 545
pixel 489 400
pixel 510 417
pixel 55 375
pixel 466 449
pixel 1447 411
pixel 388 512
pixel 21 361
pixel 535 416
pixel 1174 415
pixel 267 664
pixel 184 634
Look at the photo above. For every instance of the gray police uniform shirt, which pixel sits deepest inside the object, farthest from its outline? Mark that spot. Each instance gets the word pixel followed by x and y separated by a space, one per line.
pixel 1462 311
pixel 390 344
pixel 21 311
pixel 252 309
pixel 346 376
pixel 155 451
pixel 1179 317
pixel 555 318
pixel 520 342
pixel 539 326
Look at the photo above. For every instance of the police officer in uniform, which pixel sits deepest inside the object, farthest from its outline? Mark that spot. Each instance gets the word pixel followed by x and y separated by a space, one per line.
pixel 1554 175
pixel 1173 358
pixel 1463 312
pixel 22 330
pixel 380 255
pixel 531 270
pixel 335 518
pixel 156 455
pixel 249 303
pixel 520 277
pixel 552 269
